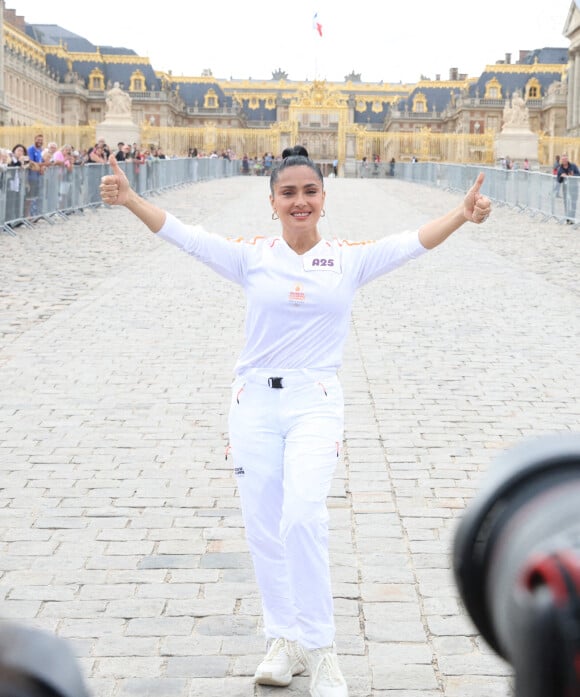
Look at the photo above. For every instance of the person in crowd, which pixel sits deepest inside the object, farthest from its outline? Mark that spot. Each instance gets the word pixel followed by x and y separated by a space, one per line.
pixel 268 162
pixel 37 168
pixel 18 164
pixel 557 185
pixel 286 409
pixel 97 154
pixel 48 153
pixel 121 152
pixel 364 167
pixel 103 149
pixel 19 157
pixel 566 170
pixel 63 159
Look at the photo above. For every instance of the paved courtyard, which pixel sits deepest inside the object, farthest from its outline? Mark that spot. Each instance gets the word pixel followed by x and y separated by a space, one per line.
pixel 120 527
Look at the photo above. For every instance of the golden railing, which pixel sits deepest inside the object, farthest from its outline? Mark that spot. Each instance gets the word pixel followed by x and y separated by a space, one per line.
pixel 180 140
pixel 424 144
pixel 77 136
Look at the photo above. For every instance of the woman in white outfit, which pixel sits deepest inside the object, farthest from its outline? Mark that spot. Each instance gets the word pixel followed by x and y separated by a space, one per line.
pixel 286 413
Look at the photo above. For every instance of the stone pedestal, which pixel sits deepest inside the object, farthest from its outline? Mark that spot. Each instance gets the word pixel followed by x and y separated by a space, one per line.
pixel 115 129
pixel 517 144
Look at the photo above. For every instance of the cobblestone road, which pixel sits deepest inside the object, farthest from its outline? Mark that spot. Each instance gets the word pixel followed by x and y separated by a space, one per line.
pixel 119 521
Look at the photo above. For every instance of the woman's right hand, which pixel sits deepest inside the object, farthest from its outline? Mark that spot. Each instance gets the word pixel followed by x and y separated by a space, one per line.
pixel 115 187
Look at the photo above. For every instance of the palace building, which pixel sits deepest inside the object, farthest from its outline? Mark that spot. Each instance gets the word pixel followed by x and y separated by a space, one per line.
pixel 51 76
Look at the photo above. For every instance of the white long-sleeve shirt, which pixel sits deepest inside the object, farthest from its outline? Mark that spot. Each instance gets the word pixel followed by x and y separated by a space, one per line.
pixel 297 306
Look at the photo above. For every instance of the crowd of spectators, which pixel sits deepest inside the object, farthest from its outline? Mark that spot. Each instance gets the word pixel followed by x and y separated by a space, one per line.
pixel 38 156
pixel 28 194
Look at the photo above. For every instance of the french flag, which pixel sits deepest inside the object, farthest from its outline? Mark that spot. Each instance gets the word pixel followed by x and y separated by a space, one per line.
pixel 317 26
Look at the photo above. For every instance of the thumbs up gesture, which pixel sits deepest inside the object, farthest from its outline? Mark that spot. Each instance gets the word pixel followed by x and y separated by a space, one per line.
pixel 476 206
pixel 115 187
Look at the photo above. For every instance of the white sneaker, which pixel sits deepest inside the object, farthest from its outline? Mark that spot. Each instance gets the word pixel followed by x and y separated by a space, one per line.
pixel 283 660
pixel 326 678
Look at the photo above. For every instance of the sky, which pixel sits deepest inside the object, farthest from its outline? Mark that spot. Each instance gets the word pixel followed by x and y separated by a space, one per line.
pixel 387 41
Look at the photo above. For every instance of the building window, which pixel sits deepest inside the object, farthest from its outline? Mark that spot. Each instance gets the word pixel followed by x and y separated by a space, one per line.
pixel 493 89
pixel 210 100
pixel 137 83
pixel 533 89
pixel 419 104
pixel 96 80
pixel 492 123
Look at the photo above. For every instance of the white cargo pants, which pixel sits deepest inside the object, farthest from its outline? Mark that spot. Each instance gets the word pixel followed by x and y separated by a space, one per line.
pixel 285 445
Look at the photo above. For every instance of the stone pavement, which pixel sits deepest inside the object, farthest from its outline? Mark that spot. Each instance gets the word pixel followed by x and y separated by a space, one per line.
pixel 119 521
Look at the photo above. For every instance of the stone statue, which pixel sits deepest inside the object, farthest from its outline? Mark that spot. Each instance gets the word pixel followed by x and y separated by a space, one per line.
pixel 516 137
pixel 517 115
pixel 118 102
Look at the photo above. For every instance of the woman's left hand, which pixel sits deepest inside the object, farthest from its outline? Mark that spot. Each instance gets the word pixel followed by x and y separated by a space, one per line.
pixel 476 206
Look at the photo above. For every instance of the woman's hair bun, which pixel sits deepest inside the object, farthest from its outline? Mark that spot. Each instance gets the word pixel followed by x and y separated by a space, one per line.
pixel 295 151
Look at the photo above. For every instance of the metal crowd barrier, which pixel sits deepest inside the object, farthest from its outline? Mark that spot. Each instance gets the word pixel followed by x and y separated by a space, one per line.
pixel 27 196
pixel 536 193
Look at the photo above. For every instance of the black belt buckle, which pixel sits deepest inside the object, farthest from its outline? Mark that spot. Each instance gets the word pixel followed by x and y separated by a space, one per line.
pixel 275 383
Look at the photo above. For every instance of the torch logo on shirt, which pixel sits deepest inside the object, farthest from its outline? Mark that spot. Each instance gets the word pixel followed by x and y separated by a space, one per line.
pixel 296 295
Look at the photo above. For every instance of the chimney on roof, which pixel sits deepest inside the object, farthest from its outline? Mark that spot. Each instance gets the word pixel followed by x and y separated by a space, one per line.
pixel 438 77
pixel 18 21
pixel 508 58
pixel 453 73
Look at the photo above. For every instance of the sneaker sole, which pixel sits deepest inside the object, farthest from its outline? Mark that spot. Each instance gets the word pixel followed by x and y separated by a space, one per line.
pixel 283 681
pixel 271 680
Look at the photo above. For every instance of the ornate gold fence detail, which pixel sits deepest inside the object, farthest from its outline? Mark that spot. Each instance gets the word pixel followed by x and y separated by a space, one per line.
pixel 424 144
pixel 78 136
pixel 181 140
pixel 549 147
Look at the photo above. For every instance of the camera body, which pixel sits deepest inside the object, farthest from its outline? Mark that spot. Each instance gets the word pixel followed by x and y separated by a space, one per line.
pixel 517 564
pixel 34 663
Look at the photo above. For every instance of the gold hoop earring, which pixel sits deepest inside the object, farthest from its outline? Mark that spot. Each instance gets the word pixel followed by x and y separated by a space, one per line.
pixel 322 213
pixel 275 216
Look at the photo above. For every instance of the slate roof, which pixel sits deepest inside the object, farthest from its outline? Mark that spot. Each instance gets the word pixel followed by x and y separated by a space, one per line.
pixel 548 56
pixel 370 116
pixel 193 93
pixel 259 114
pixel 53 35
pixel 510 82
pixel 437 96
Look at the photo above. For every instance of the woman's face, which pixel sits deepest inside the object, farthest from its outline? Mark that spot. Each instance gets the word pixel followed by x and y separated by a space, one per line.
pixel 19 151
pixel 298 199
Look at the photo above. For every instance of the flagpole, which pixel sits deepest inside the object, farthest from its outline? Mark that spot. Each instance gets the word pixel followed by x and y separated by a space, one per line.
pixel 317 37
